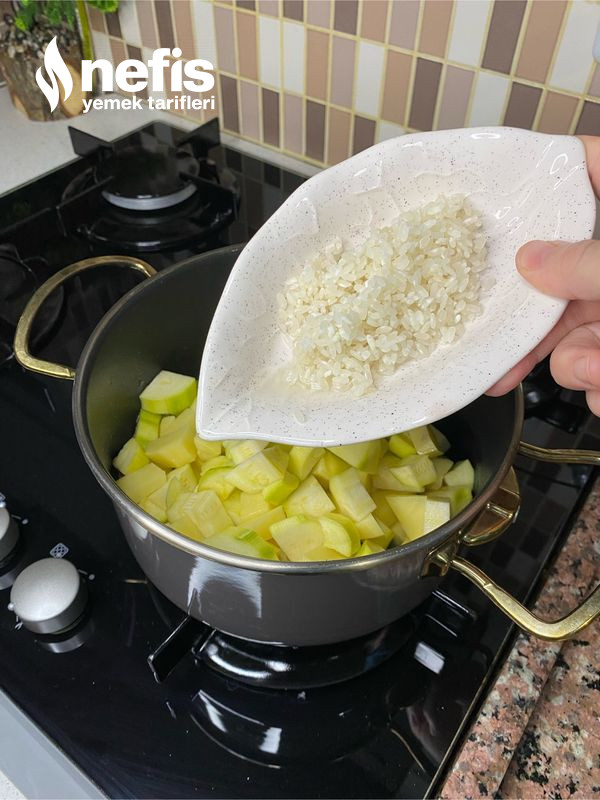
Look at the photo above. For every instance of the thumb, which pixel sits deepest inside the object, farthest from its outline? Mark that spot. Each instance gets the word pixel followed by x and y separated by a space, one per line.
pixel 562 269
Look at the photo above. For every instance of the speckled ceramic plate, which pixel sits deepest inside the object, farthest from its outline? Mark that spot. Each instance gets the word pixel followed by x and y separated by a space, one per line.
pixel 525 185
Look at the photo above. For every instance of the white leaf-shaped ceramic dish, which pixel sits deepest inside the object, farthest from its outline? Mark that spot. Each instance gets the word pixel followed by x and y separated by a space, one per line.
pixel 525 185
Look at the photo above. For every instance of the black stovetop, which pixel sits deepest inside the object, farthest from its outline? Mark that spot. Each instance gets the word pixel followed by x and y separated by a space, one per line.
pixel 388 733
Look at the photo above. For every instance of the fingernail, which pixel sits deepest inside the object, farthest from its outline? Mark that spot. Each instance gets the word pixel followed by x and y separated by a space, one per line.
pixel 581 370
pixel 533 254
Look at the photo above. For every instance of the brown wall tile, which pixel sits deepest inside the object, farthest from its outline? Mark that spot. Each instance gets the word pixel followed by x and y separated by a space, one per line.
pixel 557 113
pixel 403 24
pixel 225 39
pixel 364 134
pixel 249 5
pixel 315 130
pixel 345 15
pixel 293 126
pixel 136 53
pixel 434 27
pixel 374 20
pixel 342 71
pixel 294 9
pixel 522 105
pixel 96 19
pixel 164 23
pixel 543 26
pixel 113 25
pixel 427 78
pixel 338 146
pixel 145 12
pixel 395 90
pixel 270 116
pixel 246 45
pixel 270 7
pixel 589 121
pixel 503 34
pixel 229 103
pixel 318 12
pixel 249 110
pixel 117 48
pixel 317 63
pixel 184 28
pixel 455 99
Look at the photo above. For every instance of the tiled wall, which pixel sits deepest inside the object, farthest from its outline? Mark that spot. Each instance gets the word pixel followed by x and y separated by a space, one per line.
pixel 321 79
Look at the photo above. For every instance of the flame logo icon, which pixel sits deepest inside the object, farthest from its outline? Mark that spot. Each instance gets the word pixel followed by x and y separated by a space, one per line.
pixel 56 68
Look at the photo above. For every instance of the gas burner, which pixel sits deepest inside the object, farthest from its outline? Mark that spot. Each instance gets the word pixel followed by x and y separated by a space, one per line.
pixel 153 190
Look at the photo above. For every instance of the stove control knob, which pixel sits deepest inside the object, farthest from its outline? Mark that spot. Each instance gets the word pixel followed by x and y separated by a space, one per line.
pixel 9 531
pixel 48 596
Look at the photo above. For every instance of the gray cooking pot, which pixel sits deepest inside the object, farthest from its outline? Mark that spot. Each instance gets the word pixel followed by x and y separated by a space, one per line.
pixel 162 324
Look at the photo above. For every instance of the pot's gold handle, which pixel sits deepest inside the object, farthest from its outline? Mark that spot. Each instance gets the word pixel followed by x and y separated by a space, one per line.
pixel 591 457
pixel 21 344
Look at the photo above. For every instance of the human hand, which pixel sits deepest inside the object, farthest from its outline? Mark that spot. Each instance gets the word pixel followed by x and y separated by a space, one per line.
pixel 572 271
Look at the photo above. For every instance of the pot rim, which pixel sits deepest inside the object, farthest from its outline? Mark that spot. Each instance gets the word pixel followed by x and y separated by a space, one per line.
pixel 161 531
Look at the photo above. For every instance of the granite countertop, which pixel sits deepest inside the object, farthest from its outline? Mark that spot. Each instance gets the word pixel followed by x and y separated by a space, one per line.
pixel 538 732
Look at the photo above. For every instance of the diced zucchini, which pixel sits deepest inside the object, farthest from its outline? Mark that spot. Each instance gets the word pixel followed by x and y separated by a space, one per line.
pixel 261 523
pixel 186 419
pixel 141 483
pixel 297 536
pixel 218 462
pixel 159 497
pixel 232 504
pixel 369 528
pixel 309 498
pixel 154 510
pixel 206 449
pixel 323 553
pixel 187 527
pixel 169 393
pixel 441 466
pixel 340 533
pixel 253 474
pixel 401 445
pixel 327 466
pixel 204 509
pixel 439 439
pixel 383 510
pixel 185 475
pixel 172 450
pixel 278 456
pixel 461 474
pixel 216 479
pixel 252 504
pixel 240 450
pixel 303 459
pixel 384 540
pixel 165 423
pixel 363 455
pixel 458 496
pixel 419 514
pixel 174 490
pixel 369 548
pixel 415 471
pixel 423 442
pixel 147 427
pixel 399 534
pixel 130 457
pixel 243 542
pixel 350 495
pixel 279 491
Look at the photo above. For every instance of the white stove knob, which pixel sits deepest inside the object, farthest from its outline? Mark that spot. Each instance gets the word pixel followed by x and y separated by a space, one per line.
pixel 48 596
pixel 9 532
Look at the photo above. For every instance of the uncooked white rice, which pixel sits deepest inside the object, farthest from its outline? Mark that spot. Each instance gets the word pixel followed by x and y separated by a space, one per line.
pixel 354 314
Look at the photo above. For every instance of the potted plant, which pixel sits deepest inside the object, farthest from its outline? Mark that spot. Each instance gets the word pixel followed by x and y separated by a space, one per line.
pixel 25 33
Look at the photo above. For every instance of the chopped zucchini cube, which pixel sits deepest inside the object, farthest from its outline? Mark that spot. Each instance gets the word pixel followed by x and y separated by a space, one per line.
pixel 130 457
pixel 253 474
pixel 147 427
pixel 205 449
pixel 204 509
pixel 303 459
pixel 169 393
pixel 297 536
pixel 278 492
pixel 185 475
pixel 252 504
pixel 165 423
pixel 261 523
pixel 323 553
pixel 141 483
pixel 309 498
pixel 340 533
pixel 369 528
pixel 240 450
pixel 216 479
pixel 369 548
pixel 458 496
pixel 350 495
pixel 423 442
pixel 461 474
pixel 415 471
pixel 172 450
pixel 243 542
pixel 363 455
pixel 401 445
